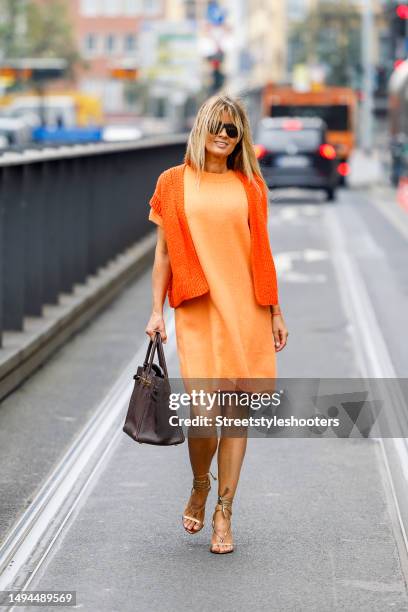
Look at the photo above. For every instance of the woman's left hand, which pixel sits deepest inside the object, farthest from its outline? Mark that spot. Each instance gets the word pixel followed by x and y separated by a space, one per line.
pixel 280 333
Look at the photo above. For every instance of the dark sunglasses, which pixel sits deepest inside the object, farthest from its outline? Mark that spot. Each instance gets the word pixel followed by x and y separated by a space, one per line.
pixel 230 128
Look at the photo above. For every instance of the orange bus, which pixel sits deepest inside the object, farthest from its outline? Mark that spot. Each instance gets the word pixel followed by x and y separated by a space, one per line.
pixel 337 106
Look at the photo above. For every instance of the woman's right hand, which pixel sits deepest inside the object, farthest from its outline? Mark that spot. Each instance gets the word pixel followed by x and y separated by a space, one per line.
pixel 156 323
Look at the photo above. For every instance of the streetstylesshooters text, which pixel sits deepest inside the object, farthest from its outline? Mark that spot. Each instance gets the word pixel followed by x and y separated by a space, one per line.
pixel 253 401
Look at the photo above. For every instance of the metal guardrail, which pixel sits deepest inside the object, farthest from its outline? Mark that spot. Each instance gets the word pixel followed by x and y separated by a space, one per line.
pixel 65 212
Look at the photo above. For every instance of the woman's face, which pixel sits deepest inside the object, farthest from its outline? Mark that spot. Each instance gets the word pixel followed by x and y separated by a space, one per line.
pixel 221 145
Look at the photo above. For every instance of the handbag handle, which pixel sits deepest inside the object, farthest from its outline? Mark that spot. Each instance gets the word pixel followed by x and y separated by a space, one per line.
pixel 151 349
pixel 150 354
pixel 160 350
pixel 146 359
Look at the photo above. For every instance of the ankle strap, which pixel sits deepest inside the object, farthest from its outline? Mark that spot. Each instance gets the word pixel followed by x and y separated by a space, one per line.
pixel 226 504
pixel 203 483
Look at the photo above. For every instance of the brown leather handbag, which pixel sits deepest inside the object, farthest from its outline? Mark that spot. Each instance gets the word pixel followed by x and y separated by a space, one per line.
pixel 147 420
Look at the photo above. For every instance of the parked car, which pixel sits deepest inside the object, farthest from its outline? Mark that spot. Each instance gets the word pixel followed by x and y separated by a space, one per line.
pixel 16 131
pixel 121 133
pixel 294 152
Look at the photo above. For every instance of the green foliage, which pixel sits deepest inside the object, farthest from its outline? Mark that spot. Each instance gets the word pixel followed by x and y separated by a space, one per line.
pixel 330 35
pixel 44 30
pixel 12 16
pixel 50 32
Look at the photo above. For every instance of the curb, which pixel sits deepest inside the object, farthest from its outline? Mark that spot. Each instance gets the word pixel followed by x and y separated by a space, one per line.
pixel 25 351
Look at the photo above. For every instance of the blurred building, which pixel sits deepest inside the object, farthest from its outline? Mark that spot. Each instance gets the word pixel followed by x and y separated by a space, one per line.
pixel 254 49
pixel 158 39
pixel 180 50
pixel 108 35
pixel 267 37
pixel 298 9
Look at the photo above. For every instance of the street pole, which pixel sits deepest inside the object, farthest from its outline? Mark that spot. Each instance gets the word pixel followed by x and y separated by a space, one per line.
pixel 237 9
pixel 368 73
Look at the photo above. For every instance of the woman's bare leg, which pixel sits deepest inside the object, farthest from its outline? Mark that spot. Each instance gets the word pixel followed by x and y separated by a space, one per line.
pixel 201 451
pixel 231 453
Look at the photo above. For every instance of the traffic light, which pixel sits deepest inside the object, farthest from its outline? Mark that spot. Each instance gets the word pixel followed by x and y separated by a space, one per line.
pixel 218 79
pixel 401 15
pixel 218 76
pixel 399 29
pixel 402 11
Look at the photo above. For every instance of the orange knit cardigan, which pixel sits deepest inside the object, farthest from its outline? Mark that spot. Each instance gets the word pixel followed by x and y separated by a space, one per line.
pixel 187 278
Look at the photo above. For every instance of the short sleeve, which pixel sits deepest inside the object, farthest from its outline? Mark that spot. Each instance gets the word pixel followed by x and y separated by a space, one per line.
pixel 264 198
pixel 156 199
pixel 155 202
pixel 155 217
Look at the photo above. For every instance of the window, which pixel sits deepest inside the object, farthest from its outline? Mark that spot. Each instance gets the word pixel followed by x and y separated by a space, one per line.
pixel 151 7
pixel 110 44
pixel 132 7
pixel 129 43
pixel 335 116
pixel 112 96
pixel 278 140
pixel 90 44
pixel 112 7
pixel 89 8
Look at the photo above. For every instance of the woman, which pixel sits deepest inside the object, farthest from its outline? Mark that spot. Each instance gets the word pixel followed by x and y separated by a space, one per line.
pixel 213 258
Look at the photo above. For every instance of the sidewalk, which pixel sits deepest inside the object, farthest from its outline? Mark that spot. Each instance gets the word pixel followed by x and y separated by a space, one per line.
pixel 385 199
pixel 366 170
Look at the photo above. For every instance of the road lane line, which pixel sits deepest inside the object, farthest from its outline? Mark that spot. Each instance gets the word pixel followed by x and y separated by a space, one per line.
pixel 394 214
pixel 372 352
pixel 30 539
pixel 375 362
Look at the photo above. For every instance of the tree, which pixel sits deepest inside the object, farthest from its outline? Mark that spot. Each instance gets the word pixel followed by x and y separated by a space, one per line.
pixel 50 32
pixel 12 26
pixel 330 35
pixel 30 28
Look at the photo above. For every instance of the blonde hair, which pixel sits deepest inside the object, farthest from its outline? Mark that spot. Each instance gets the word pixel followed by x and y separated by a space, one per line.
pixel 243 157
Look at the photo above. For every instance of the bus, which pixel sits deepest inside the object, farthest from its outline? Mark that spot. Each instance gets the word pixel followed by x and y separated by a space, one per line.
pixel 67 117
pixel 337 106
pixel 73 108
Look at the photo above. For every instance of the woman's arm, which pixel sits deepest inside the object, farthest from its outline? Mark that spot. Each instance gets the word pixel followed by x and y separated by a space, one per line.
pixel 279 329
pixel 161 274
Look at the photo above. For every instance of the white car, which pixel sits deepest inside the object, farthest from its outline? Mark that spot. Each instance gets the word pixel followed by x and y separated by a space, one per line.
pixel 120 133
pixel 17 131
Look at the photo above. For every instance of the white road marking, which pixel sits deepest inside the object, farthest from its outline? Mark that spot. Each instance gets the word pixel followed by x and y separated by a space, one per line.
pixel 295 215
pixel 35 533
pixel 284 262
pixel 375 362
pixel 394 214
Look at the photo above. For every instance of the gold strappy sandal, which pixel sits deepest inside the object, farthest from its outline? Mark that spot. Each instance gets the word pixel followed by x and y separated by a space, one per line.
pixel 223 505
pixel 200 483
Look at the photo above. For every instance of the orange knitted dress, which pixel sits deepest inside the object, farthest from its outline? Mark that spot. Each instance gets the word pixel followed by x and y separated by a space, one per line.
pixel 224 333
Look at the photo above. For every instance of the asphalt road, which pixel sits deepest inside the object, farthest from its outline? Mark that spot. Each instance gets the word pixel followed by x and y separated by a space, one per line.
pixel 314 520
